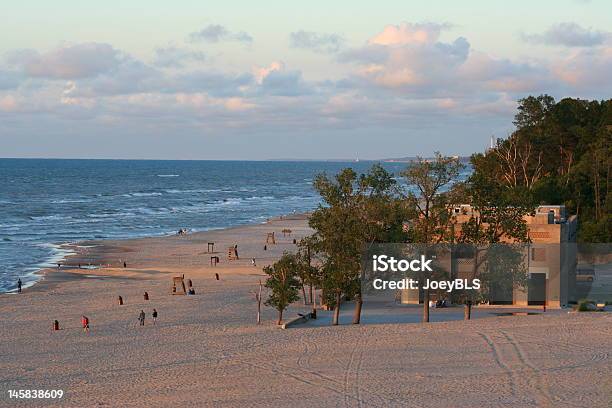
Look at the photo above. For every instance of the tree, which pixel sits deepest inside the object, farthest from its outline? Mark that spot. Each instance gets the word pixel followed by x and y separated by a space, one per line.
pixel 309 274
pixel 435 189
pixel 338 235
pixel 283 284
pixel 356 211
pixel 560 153
pixel 498 215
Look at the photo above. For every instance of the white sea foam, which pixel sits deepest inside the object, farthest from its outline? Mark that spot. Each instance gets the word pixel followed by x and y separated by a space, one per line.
pixel 151 194
pixel 49 217
pixel 58 254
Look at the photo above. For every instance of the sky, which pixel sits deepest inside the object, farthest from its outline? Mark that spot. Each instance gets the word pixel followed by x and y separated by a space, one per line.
pixel 249 80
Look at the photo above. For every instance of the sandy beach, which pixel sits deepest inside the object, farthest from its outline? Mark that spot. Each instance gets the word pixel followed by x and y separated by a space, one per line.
pixel 206 350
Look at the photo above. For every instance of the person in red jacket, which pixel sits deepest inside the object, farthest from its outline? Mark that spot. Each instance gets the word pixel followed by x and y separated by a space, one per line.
pixel 85 323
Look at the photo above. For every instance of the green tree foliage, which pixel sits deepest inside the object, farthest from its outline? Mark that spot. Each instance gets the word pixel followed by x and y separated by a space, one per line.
pixel 560 153
pixel 498 217
pixel 356 211
pixel 308 273
pixel 283 283
pixel 434 189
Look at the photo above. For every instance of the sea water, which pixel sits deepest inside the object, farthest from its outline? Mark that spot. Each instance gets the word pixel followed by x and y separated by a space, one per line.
pixel 47 202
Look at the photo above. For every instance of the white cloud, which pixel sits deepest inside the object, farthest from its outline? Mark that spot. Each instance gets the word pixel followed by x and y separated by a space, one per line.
pixel 323 43
pixel 176 57
pixel 214 33
pixel 262 72
pixel 409 33
pixel 67 62
pixel 407 77
pixel 569 35
pixel 587 70
pixel 409 56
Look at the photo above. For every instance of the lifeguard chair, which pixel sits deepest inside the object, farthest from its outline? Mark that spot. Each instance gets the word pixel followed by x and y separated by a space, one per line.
pixel 232 253
pixel 178 285
pixel 270 238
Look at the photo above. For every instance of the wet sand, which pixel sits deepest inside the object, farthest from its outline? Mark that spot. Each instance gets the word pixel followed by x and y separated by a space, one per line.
pixel 206 350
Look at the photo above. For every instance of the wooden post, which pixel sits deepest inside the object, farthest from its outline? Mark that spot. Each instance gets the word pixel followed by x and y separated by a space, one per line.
pixel 178 285
pixel 258 299
pixel 232 253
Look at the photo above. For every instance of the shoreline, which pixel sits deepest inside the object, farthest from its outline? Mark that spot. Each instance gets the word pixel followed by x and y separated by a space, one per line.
pixel 105 251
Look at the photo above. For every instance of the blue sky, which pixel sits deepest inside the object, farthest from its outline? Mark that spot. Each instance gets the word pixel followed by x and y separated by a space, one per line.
pixel 278 79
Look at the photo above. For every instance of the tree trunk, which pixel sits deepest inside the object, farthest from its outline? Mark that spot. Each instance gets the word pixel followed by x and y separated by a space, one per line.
pixel 311 295
pixel 280 317
pixel 258 297
pixel 313 302
pixel 337 310
pixel 304 295
pixel 426 306
pixel 467 310
pixel 357 313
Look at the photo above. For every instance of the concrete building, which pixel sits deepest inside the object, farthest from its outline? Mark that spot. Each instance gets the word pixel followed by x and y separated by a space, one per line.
pixel 549 260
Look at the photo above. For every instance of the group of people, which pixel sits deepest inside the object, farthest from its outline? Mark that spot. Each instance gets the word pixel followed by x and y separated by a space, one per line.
pixel 141 319
pixel 142 316
pixel 440 303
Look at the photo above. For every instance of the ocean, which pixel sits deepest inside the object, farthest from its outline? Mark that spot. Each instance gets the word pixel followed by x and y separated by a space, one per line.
pixel 48 202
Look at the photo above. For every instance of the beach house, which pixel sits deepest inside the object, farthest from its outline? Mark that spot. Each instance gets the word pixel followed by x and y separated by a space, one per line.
pixel 549 261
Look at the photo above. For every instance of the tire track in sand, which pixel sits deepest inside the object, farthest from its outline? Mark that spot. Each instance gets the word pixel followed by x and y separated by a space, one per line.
pixel 511 359
pixel 536 371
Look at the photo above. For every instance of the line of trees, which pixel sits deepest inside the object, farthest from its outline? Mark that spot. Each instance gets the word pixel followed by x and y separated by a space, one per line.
pixel 560 153
pixel 362 210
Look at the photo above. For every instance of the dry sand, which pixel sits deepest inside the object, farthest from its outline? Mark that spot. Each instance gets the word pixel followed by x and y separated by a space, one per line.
pixel 206 350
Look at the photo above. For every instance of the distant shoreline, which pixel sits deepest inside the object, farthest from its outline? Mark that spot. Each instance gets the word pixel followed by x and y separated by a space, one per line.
pixel 102 250
pixel 406 159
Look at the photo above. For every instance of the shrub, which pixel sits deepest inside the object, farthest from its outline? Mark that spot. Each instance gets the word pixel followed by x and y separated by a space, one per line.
pixel 586 305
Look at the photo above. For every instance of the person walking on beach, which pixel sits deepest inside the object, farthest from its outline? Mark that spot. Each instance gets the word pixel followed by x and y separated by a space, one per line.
pixel 85 323
pixel 154 316
pixel 253 262
pixel 141 317
pixel 19 285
